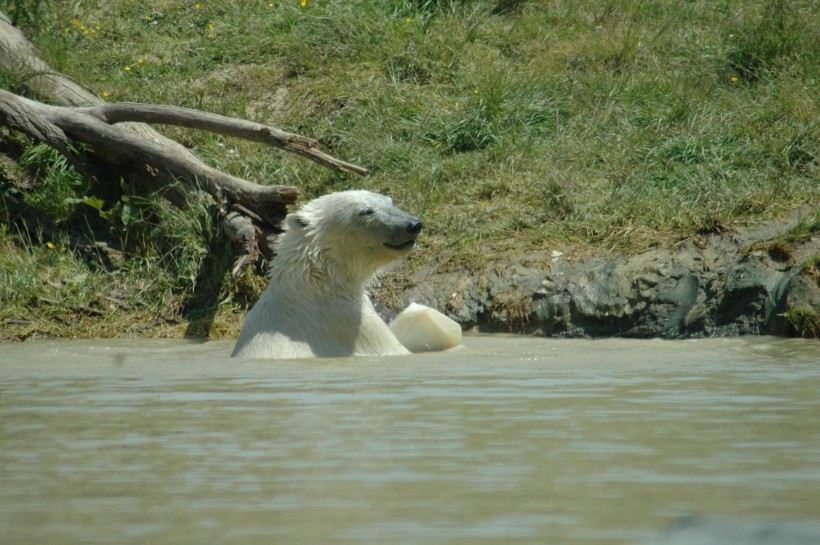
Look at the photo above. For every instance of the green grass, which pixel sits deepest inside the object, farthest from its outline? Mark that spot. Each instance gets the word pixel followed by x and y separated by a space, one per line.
pixel 805 322
pixel 508 127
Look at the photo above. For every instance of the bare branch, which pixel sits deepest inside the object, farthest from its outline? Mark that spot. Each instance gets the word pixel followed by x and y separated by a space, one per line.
pixel 122 146
pixel 238 128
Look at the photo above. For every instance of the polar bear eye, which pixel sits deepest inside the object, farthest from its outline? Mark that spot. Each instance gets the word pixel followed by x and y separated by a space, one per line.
pixel 367 212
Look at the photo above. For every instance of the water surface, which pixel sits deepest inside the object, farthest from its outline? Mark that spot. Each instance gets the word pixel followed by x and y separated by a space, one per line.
pixel 505 440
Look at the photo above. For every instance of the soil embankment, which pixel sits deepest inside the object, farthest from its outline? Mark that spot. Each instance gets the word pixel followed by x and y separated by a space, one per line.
pixel 736 283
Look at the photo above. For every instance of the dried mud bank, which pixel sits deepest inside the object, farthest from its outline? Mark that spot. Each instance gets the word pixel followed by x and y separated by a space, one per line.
pixel 738 283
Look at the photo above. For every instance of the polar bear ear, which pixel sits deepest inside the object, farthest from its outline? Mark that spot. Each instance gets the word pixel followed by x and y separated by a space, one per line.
pixel 297 221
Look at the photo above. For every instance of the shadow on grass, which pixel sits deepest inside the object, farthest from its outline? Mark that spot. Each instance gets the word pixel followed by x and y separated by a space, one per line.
pixel 201 308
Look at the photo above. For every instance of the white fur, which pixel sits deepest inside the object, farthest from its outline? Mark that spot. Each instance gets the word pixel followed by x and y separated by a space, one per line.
pixel 315 304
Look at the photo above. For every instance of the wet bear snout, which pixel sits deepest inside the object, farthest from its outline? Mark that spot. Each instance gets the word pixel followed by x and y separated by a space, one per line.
pixel 414 227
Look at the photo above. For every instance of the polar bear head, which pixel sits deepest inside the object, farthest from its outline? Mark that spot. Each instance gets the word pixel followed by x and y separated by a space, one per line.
pixel 344 238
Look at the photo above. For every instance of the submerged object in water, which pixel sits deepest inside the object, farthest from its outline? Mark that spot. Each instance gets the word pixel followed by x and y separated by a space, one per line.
pixel 423 329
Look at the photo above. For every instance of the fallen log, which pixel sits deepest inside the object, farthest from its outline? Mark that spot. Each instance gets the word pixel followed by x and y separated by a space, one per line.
pixel 63 128
pixel 119 141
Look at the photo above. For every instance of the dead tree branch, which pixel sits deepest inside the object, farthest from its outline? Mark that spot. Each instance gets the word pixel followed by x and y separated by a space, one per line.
pixel 120 142
pixel 227 126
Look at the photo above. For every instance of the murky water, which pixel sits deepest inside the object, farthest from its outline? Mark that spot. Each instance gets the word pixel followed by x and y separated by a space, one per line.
pixel 507 440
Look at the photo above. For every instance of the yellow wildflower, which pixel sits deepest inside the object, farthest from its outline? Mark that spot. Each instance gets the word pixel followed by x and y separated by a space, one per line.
pixel 476 91
pixel 49 245
pixel 734 79
pixel 106 94
pixel 303 3
pixel 127 68
pixel 210 25
pixel 409 19
pixel 140 61
pixel 197 5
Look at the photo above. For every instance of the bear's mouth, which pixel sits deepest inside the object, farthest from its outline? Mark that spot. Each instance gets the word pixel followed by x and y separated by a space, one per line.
pixel 403 246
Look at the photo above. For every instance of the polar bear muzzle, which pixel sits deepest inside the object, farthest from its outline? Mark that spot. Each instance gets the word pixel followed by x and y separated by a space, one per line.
pixel 403 236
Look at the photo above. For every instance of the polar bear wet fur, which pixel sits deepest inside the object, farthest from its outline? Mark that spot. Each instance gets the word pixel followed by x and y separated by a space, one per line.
pixel 316 303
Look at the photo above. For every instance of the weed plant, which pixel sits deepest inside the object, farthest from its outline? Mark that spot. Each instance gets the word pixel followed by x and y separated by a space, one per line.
pixel 510 127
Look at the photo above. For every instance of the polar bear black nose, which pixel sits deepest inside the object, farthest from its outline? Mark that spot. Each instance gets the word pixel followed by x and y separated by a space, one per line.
pixel 414 227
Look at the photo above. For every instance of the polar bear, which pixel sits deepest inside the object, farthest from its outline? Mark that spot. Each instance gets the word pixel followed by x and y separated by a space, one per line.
pixel 316 303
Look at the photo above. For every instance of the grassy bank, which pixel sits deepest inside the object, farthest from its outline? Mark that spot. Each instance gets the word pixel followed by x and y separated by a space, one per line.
pixel 509 127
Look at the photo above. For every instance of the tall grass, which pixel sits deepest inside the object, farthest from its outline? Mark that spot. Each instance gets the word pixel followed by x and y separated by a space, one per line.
pixel 509 126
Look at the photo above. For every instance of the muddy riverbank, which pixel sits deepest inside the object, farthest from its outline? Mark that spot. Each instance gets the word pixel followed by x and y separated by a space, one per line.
pixel 749 281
